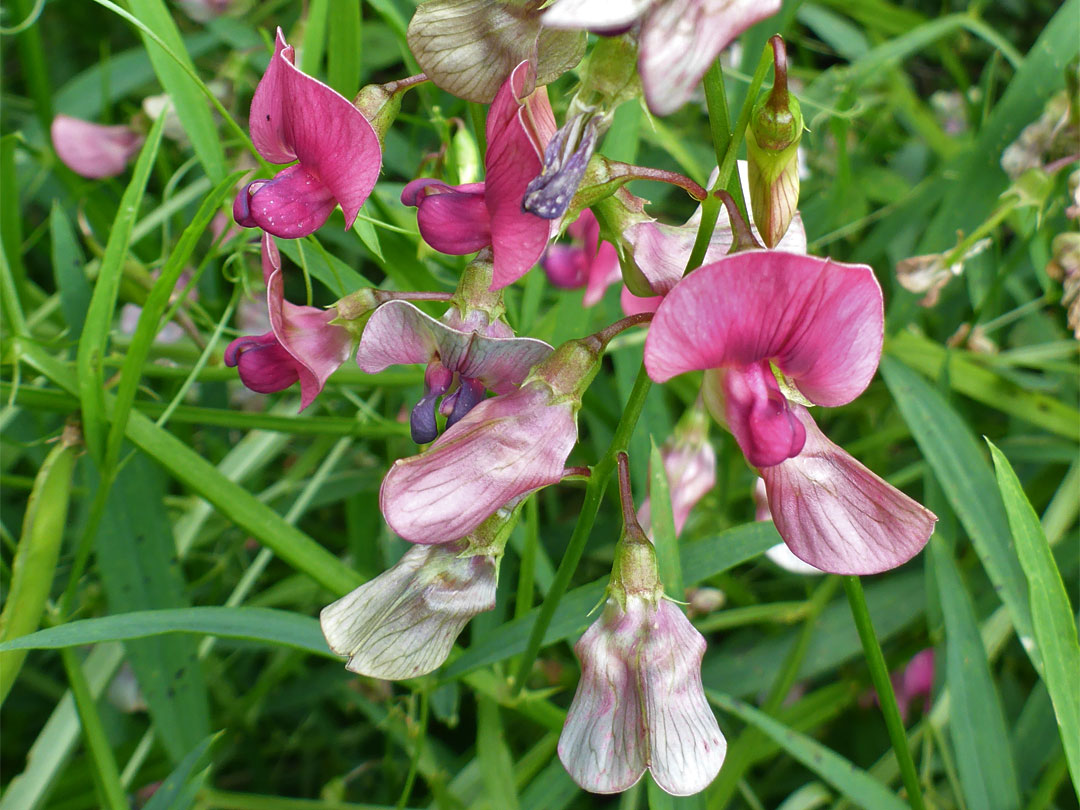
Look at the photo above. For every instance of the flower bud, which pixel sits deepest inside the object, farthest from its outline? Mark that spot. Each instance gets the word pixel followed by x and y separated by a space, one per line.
pixel 772 142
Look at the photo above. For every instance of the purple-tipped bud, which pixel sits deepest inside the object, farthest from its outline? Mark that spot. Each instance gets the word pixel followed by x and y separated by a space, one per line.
pixel 566 157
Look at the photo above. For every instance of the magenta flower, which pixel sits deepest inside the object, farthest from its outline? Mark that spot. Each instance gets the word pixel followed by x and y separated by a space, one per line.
pixel 297 118
pixel 303 345
pixel 587 262
pixel 820 324
pixel 463 219
pixel 93 150
pixel 679 38
pixel 475 351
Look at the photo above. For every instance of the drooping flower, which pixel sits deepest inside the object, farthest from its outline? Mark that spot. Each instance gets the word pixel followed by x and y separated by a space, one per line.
pixel 640 703
pixel 502 449
pixel 679 38
pixel 586 262
pixel 468 47
pixel 93 150
pixel 820 325
pixel 403 623
pixel 463 219
pixel 471 345
pixel 303 344
pixel 780 555
pixel 295 117
pixel 690 466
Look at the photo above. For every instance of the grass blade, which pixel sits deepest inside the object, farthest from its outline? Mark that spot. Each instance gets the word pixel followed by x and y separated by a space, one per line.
pixel 663 526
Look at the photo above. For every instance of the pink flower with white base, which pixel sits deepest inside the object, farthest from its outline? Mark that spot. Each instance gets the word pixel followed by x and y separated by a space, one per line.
pixel 820 324
pixel 295 117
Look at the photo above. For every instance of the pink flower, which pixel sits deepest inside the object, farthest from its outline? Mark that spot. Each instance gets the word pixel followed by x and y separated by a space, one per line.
pixel 302 345
pixel 463 219
pixel 501 450
pixel 820 324
pixel 93 150
pixel 780 555
pixel 679 38
pixel 917 682
pixel 587 262
pixel 297 118
pixel 690 466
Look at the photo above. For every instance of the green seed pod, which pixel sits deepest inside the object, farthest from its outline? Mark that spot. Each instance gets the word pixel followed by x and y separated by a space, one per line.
pixel 39 547
pixel 772 143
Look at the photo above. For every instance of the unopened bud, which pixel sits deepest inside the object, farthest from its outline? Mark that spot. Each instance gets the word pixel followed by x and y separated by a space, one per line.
pixel 381 103
pixel 354 310
pixel 772 143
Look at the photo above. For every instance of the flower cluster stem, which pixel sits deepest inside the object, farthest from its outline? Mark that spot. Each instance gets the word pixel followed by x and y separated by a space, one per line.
pixel 593 495
pixel 879 674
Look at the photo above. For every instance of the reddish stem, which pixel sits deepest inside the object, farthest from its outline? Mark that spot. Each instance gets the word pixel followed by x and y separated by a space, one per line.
pixel 779 94
pixel 394 295
pixel 743 237
pixel 619 170
pixel 605 335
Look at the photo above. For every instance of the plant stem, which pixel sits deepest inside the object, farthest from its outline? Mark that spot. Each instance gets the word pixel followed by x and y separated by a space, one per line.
pixel 593 495
pixel 879 674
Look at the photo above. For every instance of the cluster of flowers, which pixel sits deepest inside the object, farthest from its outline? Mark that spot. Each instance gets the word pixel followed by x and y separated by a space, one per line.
pixel 775 331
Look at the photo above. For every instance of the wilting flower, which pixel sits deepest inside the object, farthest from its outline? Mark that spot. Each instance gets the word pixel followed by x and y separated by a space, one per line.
pixel 679 38
pixel 1064 266
pixel 463 219
pixel 504 448
pixel 928 274
pixel 586 262
pixel 1051 137
pixel 403 623
pixel 779 554
pixel 690 466
pixel 93 150
pixel 640 704
pixel 467 47
pixel 297 118
pixel 819 324
pixel 303 344
pixel 470 346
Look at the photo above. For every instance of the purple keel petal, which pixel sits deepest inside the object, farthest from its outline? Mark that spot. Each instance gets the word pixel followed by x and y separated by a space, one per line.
pixel 263 364
pixel 294 204
pixel 452 219
pixel 837 515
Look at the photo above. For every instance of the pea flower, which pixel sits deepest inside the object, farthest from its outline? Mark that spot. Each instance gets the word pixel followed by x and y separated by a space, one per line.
pixel 690 465
pixel 93 150
pixel 679 39
pixel 640 703
pixel 819 324
pixel 295 117
pixel 403 623
pixel 463 219
pixel 471 345
pixel 304 344
pixel 780 555
pixel 586 262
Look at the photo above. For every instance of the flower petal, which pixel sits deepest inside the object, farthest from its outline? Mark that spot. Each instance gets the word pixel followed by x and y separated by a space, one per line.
pixel 636 304
pixel 93 150
pixel 749 402
pixel 821 322
pixel 566 266
pixel 518 128
pixel 681 38
pixel 403 623
pixel 594 15
pixel 504 447
pixel 837 515
pixel 686 748
pixel 602 745
pixel 452 219
pixel 297 117
pixel 263 364
pixel 293 204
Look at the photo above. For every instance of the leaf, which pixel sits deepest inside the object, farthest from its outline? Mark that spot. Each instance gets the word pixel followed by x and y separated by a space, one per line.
pixel 343 48
pixel 496 764
pixel 1055 628
pixel 263 625
pixel 702 558
pixel 839 772
pixel 177 792
pixel 961 470
pixel 67 262
pixel 663 526
pixel 185 94
pixel 977 721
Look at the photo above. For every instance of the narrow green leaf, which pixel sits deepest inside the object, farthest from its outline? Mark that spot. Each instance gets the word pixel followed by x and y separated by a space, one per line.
pixel 343 47
pixel 496 764
pixel 67 262
pixel 1055 628
pixel 663 526
pixel 369 236
pixel 92 344
pixel 839 772
pixel 961 469
pixel 177 792
pixel 977 721
pixel 314 37
pixel 10 213
pixel 263 625
pixel 186 96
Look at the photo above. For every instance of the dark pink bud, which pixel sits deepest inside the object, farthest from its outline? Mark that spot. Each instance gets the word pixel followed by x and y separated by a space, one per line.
pixel 263 364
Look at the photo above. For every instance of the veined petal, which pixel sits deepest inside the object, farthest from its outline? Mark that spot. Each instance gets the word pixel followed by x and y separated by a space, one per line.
pixel 821 322
pixel 93 150
pixel 519 125
pixel 603 745
pixel 594 15
pixel 837 515
pixel 686 748
pixel 403 623
pixel 504 447
pixel 293 204
pixel 681 38
pixel 398 332
pixel 297 117
pixel 452 219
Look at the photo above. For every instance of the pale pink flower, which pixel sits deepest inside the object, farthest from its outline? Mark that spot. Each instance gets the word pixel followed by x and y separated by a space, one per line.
pixel 780 555
pixel 690 466
pixel 93 150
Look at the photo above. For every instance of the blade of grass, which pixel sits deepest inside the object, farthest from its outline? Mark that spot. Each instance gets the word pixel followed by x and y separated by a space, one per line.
pixel 663 526
pixel 343 48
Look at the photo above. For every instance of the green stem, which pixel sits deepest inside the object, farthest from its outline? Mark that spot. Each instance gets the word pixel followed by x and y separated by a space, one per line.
pixel 593 495
pixel 879 674
pixel 527 573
